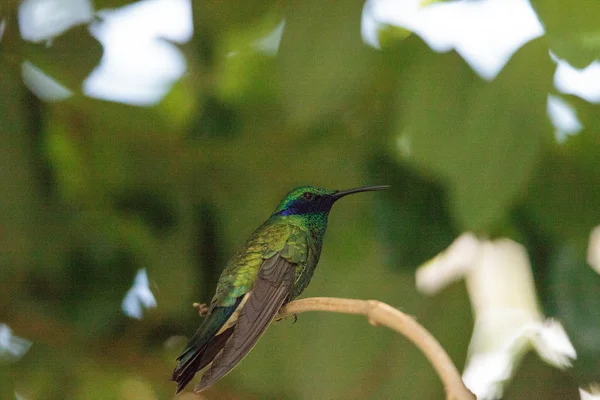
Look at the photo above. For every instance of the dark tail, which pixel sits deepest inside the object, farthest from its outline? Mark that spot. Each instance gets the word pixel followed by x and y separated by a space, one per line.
pixel 203 346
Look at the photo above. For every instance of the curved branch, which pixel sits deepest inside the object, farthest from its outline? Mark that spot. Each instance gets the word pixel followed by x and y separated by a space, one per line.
pixel 379 313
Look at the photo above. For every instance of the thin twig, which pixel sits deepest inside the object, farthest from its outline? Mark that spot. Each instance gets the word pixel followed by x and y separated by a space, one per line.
pixel 379 313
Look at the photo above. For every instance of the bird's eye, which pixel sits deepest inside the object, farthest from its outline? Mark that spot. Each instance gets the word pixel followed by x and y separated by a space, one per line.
pixel 308 196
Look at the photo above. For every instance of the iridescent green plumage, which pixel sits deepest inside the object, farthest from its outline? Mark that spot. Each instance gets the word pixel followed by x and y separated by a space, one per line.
pixel 274 266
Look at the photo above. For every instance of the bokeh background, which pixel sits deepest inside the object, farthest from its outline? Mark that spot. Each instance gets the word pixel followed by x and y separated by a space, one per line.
pixel 143 141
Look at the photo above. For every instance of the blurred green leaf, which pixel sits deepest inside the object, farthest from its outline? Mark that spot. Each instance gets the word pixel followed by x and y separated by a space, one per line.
pixel 449 125
pixel 19 201
pixel 563 196
pixel 231 14
pixel 217 119
pixel 247 63
pixel 69 59
pixel 8 6
pixel 322 57
pixel 150 205
pixel 68 164
pixel 574 32
pixel 413 215
pixel 583 147
pixel 575 294
pixel 538 380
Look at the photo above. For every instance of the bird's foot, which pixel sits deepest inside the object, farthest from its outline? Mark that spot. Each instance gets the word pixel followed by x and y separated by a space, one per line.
pixel 280 318
pixel 202 309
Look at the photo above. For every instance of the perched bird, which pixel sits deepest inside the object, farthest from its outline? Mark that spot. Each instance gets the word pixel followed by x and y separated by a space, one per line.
pixel 274 266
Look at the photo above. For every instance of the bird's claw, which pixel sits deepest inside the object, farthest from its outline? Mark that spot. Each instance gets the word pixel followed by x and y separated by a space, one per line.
pixel 280 318
pixel 202 309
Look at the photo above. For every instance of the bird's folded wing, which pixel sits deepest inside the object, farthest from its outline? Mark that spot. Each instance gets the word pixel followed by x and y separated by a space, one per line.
pixel 273 284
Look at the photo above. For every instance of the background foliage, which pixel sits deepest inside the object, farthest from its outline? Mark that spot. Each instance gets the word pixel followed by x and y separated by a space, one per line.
pixel 92 191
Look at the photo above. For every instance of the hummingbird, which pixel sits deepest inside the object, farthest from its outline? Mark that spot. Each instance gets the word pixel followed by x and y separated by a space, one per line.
pixel 274 266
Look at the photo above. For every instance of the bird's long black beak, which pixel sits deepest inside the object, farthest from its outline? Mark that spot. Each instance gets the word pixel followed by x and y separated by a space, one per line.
pixel 342 193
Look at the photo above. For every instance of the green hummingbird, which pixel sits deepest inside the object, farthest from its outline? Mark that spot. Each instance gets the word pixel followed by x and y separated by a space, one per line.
pixel 274 266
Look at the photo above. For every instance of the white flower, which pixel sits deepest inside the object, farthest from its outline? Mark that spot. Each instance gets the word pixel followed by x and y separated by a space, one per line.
pixel 485 33
pixel 11 347
pixel 593 254
pixel 593 394
pixel 138 296
pixel 41 20
pixel 508 319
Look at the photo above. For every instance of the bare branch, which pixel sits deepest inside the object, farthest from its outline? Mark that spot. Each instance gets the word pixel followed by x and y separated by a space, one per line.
pixel 379 313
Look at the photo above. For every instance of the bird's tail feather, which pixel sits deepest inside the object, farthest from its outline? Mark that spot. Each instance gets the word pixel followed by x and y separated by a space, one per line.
pixel 203 346
pixel 195 361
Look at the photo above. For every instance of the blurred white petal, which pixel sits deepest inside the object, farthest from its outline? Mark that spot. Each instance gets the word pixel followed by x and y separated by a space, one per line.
pixel 449 266
pixel 564 118
pixel 585 395
pixel 485 374
pixel 404 145
pixel 584 83
pixel 593 253
pixel 508 319
pixel 487 371
pixel 138 297
pixel 138 66
pixel 2 26
pixel 42 85
pixel 270 43
pixel 11 347
pixel 486 33
pixel 553 345
pixel 502 282
pixel 41 20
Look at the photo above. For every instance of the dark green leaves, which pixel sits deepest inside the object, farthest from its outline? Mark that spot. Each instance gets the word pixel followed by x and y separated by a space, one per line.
pixel 323 59
pixel 574 290
pixel 563 197
pixel 482 138
pixel 69 59
pixel 412 216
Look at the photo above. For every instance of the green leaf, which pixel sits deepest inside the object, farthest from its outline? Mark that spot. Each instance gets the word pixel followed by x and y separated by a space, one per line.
pixel 482 138
pixel 246 64
pixel 8 6
pixel 69 59
pixel 224 15
pixel 564 195
pixel 19 199
pixel 323 60
pixel 574 32
pixel 584 147
pixel 413 214
pixel 575 292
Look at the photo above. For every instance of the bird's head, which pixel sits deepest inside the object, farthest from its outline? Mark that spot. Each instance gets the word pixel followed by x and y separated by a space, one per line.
pixel 306 200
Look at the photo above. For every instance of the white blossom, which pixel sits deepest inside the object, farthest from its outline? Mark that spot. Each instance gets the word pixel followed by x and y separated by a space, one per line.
pixel 593 254
pixel 508 318
pixel 138 296
pixel 11 347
